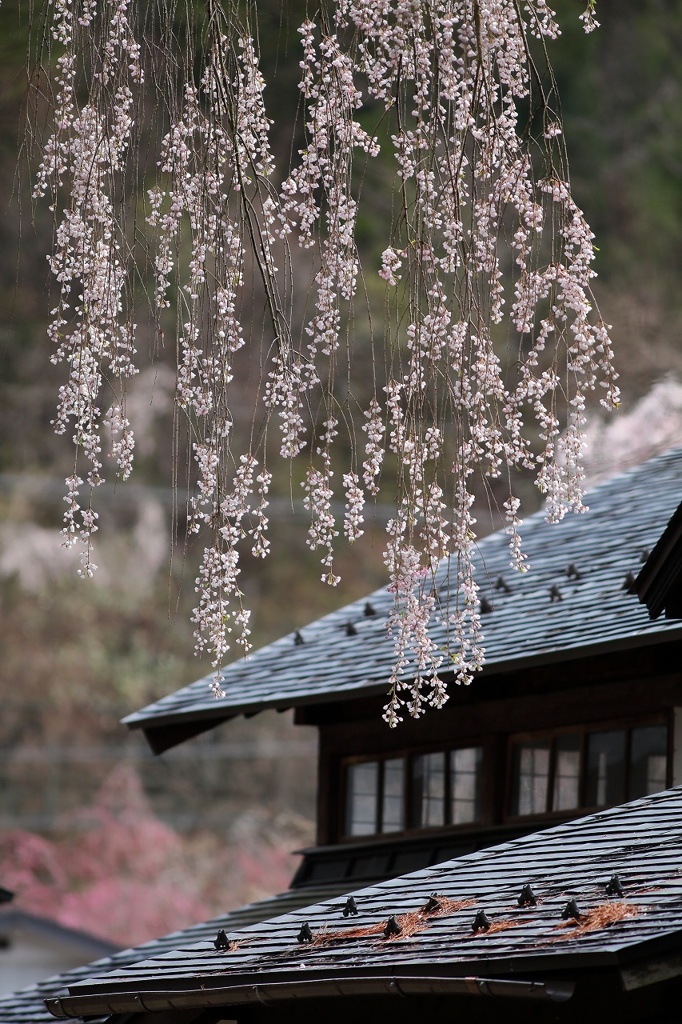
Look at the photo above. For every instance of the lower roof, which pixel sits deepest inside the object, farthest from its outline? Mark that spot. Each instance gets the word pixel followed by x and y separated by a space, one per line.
pixel 603 892
pixel 574 601
pixel 28 1005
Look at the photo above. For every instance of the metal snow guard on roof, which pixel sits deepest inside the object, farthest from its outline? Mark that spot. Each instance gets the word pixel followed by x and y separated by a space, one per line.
pixel 603 892
pixel 573 601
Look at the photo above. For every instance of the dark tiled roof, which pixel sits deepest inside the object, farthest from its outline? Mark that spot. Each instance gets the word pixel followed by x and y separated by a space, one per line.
pixel 659 583
pixel 623 921
pixel 27 1006
pixel 595 613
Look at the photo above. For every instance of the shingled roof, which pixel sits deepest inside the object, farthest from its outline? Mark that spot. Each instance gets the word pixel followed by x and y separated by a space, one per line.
pixel 573 601
pixel 28 1005
pixel 659 583
pixel 600 893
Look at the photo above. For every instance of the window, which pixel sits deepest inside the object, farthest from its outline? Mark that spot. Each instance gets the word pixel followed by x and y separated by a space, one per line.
pixel 465 785
pixel 375 798
pixel 361 805
pixel 648 761
pixel 392 806
pixel 531 776
pixel 428 790
pixel 585 768
pixel 605 768
pixel 566 793
pixel 421 791
pixel 560 771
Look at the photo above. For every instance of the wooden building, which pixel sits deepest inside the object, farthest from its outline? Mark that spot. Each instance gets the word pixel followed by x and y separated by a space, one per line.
pixel 577 707
pixel 576 711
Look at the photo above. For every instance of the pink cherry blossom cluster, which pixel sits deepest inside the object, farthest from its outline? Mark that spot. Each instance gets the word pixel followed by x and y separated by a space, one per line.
pixel 92 328
pixel 491 337
pixel 318 497
pixel 214 155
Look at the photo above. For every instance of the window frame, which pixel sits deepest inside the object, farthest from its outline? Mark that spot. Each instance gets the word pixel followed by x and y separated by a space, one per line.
pixel 409 756
pixel 583 730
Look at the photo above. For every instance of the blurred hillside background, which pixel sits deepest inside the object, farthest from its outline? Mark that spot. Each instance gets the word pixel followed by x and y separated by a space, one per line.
pixel 81 800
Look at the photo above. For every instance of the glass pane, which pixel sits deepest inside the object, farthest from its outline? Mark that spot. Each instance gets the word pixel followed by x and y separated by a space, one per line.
pixel 465 784
pixel 566 773
pixel 392 809
pixel 428 790
pixel 361 801
pixel 648 761
pixel 605 768
pixel 530 780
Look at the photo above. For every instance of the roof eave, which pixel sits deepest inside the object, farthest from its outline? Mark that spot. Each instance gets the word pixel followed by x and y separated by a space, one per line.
pixel 636 965
pixel 65 1007
pixel 661 573
pixel 163 733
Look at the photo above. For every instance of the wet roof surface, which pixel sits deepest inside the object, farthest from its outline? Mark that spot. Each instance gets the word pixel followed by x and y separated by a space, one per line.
pixel 587 557
pixel 640 843
pixel 27 1006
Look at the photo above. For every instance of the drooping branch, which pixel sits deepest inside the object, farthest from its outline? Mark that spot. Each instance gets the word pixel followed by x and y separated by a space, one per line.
pixel 490 339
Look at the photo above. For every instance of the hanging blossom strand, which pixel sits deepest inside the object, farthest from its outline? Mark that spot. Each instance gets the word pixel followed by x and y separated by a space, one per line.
pixel 451 79
pixel 491 338
pixel 215 155
pixel 92 331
